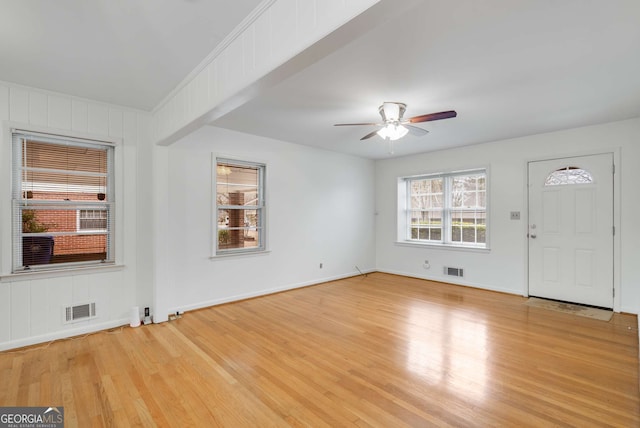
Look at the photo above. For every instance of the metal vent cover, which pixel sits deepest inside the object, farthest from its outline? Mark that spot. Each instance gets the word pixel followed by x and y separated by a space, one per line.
pixel 454 271
pixel 79 312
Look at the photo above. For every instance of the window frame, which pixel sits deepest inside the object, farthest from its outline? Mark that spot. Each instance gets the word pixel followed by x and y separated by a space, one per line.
pixel 260 208
pixel 19 200
pixel 404 226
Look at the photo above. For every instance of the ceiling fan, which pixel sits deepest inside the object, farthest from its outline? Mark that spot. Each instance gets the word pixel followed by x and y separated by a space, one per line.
pixel 394 127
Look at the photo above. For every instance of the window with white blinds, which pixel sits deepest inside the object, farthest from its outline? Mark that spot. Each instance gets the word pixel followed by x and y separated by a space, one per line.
pixel 63 202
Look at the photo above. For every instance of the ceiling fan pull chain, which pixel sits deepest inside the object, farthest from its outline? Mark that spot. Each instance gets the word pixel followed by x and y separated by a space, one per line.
pixel 390 147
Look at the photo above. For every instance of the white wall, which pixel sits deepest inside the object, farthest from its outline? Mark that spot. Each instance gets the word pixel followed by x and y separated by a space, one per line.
pixel 31 305
pixel 320 209
pixel 504 267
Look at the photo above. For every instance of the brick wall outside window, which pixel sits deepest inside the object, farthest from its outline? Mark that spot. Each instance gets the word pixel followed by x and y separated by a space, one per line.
pixel 67 221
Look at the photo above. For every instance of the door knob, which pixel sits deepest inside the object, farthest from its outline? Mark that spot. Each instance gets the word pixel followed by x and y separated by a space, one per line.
pixel 533 236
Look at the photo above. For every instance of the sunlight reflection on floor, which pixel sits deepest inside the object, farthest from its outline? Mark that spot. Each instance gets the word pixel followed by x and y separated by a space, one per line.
pixel 449 349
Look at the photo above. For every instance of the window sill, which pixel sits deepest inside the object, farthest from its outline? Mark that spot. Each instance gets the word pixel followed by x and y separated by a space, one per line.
pixel 56 273
pixel 239 254
pixel 448 247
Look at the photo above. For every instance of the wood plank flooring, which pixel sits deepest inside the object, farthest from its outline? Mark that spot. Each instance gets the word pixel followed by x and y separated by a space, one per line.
pixel 381 350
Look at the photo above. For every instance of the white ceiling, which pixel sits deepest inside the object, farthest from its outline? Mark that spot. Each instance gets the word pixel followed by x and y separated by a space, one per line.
pixel 509 68
pixel 126 52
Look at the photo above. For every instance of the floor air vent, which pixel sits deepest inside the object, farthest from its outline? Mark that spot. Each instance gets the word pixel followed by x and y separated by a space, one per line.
pixel 452 271
pixel 79 312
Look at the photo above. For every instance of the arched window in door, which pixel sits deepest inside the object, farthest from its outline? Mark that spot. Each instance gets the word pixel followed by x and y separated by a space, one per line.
pixel 568 175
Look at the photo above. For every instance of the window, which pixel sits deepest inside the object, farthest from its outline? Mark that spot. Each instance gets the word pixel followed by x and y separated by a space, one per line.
pixel 239 224
pixel 568 175
pixel 92 220
pixel 62 202
pixel 449 209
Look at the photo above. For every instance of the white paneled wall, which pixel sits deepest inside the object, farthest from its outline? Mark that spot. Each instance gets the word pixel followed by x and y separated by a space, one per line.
pixel 31 306
pixel 267 39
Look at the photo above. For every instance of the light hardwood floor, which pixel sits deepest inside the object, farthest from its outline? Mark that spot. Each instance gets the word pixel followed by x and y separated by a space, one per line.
pixel 380 350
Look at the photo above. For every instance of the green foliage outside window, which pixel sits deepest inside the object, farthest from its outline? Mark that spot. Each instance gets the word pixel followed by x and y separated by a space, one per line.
pixel 30 223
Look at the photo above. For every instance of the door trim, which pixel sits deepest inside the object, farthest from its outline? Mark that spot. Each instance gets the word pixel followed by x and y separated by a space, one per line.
pixel 617 156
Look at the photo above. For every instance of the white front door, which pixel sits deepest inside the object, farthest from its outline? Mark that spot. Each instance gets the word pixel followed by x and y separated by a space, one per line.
pixel 571 229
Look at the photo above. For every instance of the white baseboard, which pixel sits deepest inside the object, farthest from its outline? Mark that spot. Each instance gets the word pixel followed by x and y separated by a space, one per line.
pixel 44 338
pixel 260 293
pixel 452 280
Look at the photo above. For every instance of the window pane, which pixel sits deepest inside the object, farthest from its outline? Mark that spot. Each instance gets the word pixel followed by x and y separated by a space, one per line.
pixel 237 185
pixel 468 227
pixel 426 193
pixel 56 240
pixel 456 226
pixel 481 225
pixel 482 199
pixel 436 234
pixel 426 217
pixel 469 199
pixel 426 225
pixel 238 228
pixel 465 190
pixel 79 248
pixel 482 182
pixel 569 175
pixel 238 218
pixel 426 233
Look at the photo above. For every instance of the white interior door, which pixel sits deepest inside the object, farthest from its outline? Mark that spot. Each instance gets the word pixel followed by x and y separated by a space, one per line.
pixel 571 229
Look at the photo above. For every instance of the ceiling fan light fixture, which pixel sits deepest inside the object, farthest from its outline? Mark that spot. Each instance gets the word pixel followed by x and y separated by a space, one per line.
pixel 392 111
pixel 392 122
pixel 393 132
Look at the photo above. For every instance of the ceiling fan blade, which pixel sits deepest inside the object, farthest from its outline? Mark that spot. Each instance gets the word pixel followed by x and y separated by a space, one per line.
pixel 433 116
pixel 415 131
pixel 356 124
pixel 369 135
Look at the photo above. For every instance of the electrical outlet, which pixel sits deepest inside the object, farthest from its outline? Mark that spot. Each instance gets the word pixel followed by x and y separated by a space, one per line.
pixel 147 316
pixel 515 215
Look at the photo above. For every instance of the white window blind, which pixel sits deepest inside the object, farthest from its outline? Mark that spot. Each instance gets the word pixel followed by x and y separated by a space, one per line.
pixel 57 180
